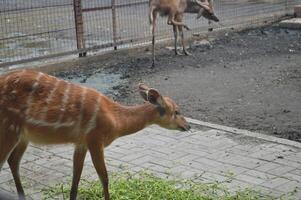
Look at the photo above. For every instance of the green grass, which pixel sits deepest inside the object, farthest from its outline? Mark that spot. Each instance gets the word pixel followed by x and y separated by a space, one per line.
pixel 148 187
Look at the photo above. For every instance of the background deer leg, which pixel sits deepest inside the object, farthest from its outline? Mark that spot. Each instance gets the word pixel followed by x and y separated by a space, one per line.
pixel 78 163
pixel 175 32
pixel 97 154
pixel 171 21
pixel 183 41
pixel 14 164
pixel 153 22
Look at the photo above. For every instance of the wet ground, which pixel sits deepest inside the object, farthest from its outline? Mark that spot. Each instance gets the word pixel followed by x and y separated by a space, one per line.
pixel 249 80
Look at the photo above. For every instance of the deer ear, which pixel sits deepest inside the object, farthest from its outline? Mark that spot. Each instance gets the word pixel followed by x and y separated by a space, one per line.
pixel 155 98
pixel 143 90
pixel 151 95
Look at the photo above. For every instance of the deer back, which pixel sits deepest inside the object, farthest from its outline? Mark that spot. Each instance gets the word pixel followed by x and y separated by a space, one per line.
pixel 39 104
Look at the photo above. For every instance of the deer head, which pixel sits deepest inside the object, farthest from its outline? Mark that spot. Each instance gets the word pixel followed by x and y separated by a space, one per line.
pixel 170 116
pixel 207 10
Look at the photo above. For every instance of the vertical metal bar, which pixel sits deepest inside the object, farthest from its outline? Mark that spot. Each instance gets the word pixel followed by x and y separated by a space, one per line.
pixel 286 7
pixel 79 26
pixel 113 4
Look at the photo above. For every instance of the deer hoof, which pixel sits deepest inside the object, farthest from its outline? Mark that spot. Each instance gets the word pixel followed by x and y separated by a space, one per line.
pixel 187 53
pixel 187 28
pixel 153 65
pixel 178 53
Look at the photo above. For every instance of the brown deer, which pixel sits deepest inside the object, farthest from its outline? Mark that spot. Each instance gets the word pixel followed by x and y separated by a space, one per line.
pixel 42 109
pixel 174 10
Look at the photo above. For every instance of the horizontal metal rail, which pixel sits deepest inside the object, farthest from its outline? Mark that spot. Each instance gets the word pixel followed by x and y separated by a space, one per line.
pixel 35 34
pixel 35 8
pixel 116 6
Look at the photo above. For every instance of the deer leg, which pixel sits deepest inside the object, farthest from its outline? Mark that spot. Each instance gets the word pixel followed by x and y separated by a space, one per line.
pixel 171 21
pixel 175 32
pixel 78 163
pixel 8 141
pixel 153 22
pixel 183 41
pixel 14 164
pixel 97 154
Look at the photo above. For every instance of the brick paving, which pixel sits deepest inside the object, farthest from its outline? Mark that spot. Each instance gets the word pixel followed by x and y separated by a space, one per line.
pixel 204 155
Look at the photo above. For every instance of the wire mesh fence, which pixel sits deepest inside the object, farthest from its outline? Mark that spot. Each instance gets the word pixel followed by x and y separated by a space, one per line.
pixel 36 29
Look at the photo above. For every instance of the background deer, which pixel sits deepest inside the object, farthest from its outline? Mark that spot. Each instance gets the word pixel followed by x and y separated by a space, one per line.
pixel 39 108
pixel 174 10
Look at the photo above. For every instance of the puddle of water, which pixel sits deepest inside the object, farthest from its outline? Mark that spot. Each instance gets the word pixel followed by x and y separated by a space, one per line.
pixel 100 81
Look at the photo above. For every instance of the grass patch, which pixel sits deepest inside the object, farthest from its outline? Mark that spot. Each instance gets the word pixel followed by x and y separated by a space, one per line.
pixel 148 187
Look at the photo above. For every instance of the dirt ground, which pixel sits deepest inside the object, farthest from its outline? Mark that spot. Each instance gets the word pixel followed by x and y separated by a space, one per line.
pixel 249 80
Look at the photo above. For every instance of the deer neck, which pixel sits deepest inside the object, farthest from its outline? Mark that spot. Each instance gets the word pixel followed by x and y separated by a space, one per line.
pixel 130 119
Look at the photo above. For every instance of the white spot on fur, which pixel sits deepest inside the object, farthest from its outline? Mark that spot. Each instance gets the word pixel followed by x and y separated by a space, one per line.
pixel 13 110
pixel 17 129
pixel 49 98
pixel 64 103
pixel 92 122
pixel 82 101
pixel 16 81
pixel 30 96
pixel 11 127
pixel 49 124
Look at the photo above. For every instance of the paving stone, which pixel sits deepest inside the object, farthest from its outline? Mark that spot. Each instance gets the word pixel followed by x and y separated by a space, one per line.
pixel 243 161
pixel 201 156
pixel 258 174
pixel 5 177
pixel 215 177
pixel 296 171
pixel 263 155
pixel 163 162
pixel 249 179
pixel 293 177
pixel 155 168
pixel 199 166
pixel 236 185
pixel 194 175
pixel 289 187
pixel 228 170
pixel 266 167
pixel 288 163
pixel 281 170
pixel 274 183
pixel 206 161
pixel 132 156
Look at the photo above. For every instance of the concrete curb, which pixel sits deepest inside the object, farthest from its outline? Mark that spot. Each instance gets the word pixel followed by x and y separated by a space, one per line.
pixel 294 23
pixel 246 133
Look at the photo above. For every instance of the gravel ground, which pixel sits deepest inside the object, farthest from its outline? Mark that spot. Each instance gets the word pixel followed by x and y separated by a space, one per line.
pixel 249 79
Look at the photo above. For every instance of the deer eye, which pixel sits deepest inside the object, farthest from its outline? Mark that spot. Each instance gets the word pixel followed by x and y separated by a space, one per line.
pixel 177 113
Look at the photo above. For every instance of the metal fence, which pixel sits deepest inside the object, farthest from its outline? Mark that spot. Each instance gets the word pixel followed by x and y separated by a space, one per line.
pixel 36 29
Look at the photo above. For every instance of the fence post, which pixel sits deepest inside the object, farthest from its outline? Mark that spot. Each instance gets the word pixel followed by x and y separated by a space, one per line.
pixel 79 26
pixel 113 4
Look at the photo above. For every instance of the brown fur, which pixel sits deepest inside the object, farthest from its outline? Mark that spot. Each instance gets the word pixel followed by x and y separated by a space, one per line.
pixel 38 108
